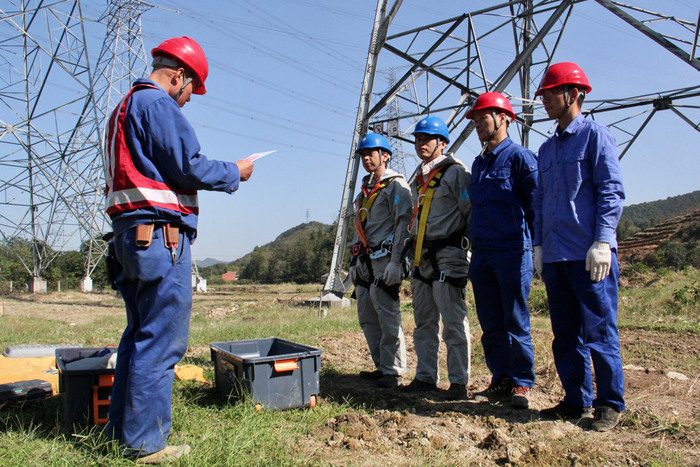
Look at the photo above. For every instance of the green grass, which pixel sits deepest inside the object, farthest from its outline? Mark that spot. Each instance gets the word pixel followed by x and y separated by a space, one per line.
pixel 299 324
pixel 235 433
pixel 224 434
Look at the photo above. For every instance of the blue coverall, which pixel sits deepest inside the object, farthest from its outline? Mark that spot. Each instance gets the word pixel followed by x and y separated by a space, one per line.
pixel 578 202
pixel 501 191
pixel 156 289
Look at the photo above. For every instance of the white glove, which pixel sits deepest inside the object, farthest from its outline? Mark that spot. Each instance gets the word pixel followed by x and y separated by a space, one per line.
pixel 537 260
pixel 392 274
pixel 598 260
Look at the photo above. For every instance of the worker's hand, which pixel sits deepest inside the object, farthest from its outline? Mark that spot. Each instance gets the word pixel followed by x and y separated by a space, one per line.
pixel 245 167
pixel 598 260
pixel 537 260
pixel 392 274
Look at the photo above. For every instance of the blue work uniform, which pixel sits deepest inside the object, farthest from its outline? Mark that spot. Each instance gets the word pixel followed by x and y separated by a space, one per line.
pixel 579 201
pixel 155 285
pixel 501 191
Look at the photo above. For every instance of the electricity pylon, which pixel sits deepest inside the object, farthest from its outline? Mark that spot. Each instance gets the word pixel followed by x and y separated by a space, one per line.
pixel 53 111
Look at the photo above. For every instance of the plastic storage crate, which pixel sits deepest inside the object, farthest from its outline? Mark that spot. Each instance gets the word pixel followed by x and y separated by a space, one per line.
pixel 84 394
pixel 274 372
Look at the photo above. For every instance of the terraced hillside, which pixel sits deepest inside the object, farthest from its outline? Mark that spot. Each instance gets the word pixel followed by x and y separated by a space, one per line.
pixel 647 241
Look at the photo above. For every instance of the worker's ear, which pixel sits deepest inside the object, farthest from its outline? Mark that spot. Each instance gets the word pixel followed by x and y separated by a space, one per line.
pixel 177 76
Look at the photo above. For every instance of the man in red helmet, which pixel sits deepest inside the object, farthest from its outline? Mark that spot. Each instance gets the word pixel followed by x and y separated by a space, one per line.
pixel 153 170
pixel 577 207
pixel 504 178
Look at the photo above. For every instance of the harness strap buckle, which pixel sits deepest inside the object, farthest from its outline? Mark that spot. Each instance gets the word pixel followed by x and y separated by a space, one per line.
pixel 379 253
pixel 375 282
pixel 442 276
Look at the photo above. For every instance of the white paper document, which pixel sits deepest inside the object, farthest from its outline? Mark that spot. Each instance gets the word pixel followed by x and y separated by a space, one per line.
pixel 259 155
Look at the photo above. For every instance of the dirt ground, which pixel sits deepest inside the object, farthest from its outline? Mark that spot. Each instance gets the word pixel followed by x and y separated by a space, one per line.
pixel 662 412
pixel 660 427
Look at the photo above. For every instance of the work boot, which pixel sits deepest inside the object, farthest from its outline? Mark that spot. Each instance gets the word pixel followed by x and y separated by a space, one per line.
pixel 371 375
pixel 457 392
pixel 500 390
pixel 519 397
pixel 604 418
pixel 389 381
pixel 565 410
pixel 418 386
pixel 169 454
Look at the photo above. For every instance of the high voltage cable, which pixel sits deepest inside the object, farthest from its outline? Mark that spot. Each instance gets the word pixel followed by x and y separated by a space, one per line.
pixel 302 35
pixel 277 88
pixel 253 114
pixel 279 143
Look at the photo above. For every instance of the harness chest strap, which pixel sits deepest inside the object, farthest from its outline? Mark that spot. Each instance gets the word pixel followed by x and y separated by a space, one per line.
pixel 365 204
pixel 425 198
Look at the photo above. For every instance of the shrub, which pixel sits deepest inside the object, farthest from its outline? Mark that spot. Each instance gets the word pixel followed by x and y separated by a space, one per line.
pixel 537 302
pixel 686 296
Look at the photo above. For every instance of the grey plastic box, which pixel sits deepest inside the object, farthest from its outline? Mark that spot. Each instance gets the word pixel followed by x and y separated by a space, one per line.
pixel 276 373
pixel 85 394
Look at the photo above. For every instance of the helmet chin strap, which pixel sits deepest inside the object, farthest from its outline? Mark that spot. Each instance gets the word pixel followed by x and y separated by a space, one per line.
pixel 161 61
pixel 185 82
pixel 381 163
pixel 435 148
pixel 566 99
pixel 497 126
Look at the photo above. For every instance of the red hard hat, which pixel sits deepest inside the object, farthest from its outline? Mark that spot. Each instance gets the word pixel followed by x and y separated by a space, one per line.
pixel 492 100
pixel 189 53
pixel 564 73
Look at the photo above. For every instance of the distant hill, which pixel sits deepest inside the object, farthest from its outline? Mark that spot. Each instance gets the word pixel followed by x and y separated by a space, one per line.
pixel 208 262
pixel 645 215
pixel 641 216
pixel 684 231
pixel 301 254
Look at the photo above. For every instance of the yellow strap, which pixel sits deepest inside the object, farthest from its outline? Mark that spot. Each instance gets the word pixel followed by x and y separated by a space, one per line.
pixel 425 202
pixel 365 205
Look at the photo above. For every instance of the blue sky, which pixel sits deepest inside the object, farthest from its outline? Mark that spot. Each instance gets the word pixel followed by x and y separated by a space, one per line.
pixel 286 75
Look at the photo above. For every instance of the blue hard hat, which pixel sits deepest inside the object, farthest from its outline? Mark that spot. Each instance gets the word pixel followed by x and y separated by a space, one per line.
pixel 372 141
pixel 433 126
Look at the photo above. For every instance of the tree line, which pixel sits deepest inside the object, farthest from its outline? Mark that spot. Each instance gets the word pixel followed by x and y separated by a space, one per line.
pixel 66 267
pixel 303 254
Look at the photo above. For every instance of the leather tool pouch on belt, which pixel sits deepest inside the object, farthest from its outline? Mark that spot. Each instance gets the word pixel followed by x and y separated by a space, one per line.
pixel 144 235
pixel 171 235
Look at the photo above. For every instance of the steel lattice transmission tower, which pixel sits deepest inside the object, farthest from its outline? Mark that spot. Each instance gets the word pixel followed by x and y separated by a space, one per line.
pixel 122 59
pixel 53 110
pixel 390 125
pixel 446 64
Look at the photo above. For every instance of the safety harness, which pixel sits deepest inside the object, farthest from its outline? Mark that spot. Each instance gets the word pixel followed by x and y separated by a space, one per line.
pixel 421 211
pixel 364 252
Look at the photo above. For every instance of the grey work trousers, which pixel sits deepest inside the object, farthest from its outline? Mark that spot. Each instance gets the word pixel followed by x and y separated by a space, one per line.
pixel 380 320
pixel 431 302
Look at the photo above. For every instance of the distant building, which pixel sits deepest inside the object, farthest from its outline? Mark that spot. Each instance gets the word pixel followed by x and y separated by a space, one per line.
pixel 229 276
